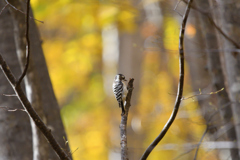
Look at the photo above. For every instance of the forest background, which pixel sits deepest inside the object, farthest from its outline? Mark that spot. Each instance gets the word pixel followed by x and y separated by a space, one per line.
pixel 86 43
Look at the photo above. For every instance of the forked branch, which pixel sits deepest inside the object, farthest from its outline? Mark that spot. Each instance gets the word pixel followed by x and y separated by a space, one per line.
pixel 180 86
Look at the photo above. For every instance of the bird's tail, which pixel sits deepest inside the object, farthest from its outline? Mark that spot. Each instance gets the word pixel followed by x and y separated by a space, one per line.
pixel 122 106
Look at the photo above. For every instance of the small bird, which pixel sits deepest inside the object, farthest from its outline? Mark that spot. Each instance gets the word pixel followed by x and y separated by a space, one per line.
pixel 120 90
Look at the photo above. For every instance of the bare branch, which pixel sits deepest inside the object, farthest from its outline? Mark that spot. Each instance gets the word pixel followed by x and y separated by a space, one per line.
pixel 199 143
pixel 176 7
pixel 123 125
pixel 27 46
pixel 7 3
pixel 215 25
pixel 31 112
pixel 3 8
pixel 9 95
pixel 201 94
pixel 12 110
pixel 180 86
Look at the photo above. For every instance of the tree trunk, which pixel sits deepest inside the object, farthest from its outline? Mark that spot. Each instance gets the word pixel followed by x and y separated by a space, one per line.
pixel 38 85
pixel 223 102
pixel 230 56
pixel 16 139
pixel 48 99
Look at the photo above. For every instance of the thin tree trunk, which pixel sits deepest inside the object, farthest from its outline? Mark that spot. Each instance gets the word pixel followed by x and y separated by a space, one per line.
pixel 16 140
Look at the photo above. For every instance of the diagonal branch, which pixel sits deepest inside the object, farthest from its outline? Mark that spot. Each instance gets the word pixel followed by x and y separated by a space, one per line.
pixel 123 125
pixel 180 86
pixel 31 112
pixel 207 14
pixel 9 4
pixel 199 143
pixel 3 8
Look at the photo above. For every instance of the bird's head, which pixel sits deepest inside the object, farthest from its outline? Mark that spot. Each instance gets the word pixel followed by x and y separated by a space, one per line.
pixel 120 77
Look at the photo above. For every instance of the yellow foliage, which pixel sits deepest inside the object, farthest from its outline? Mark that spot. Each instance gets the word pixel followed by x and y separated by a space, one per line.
pixel 72 36
pixel 171 34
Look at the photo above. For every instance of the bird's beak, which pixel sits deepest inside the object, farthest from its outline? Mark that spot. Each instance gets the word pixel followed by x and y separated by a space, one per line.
pixel 125 80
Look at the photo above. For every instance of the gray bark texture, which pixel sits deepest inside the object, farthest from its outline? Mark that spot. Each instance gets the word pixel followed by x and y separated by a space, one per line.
pixel 228 19
pixel 42 97
pixel 216 73
pixel 16 139
pixel 200 78
pixel 41 145
pixel 48 99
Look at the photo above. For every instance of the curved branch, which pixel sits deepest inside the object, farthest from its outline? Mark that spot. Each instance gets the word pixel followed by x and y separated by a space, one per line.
pixel 27 46
pixel 180 86
pixel 123 125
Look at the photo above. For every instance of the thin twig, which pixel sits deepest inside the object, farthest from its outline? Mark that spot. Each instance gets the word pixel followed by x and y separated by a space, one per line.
pixel 207 128
pixel 3 8
pixel 207 14
pixel 180 86
pixel 27 45
pixel 74 151
pixel 197 147
pixel 12 110
pixel 176 7
pixel 199 143
pixel 201 94
pixel 7 3
pixel 123 125
pixel 182 154
pixel 223 34
pixel 9 95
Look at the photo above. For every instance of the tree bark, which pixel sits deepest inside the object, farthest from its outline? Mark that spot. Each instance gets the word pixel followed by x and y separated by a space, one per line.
pixel 48 99
pixel 230 56
pixel 223 102
pixel 16 140
pixel 38 85
pixel 216 73
pixel 197 61
pixel 40 145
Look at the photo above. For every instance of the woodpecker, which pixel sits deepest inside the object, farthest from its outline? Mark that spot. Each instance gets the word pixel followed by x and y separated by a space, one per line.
pixel 120 90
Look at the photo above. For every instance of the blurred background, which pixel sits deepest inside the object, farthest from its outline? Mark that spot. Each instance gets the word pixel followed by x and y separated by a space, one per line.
pixel 86 43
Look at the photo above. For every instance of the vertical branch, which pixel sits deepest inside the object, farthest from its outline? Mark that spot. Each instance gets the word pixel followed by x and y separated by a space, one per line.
pixel 180 86
pixel 27 45
pixel 123 125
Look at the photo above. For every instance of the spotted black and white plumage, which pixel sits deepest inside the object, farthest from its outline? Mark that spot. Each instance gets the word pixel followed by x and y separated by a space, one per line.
pixel 120 90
